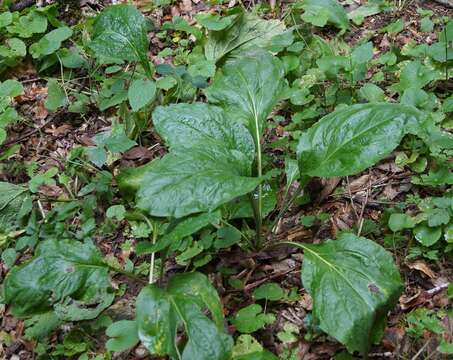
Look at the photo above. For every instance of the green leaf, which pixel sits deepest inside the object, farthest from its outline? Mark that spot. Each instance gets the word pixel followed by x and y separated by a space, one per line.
pixel 426 25
pixel 248 88
pixel 372 93
pixel 352 280
pixel 414 75
pixel 11 88
pixel 215 22
pixel 5 19
pixel 184 301
pixel 56 96
pixel 330 10
pixel 394 27
pixel 32 23
pixel 64 273
pixel 11 199
pixel 353 138
pixel 209 163
pixel 141 92
pixel 427 236
pixel 129 180
pixel 248 348
pixel 123 335
pixel 50 42
pixel 187 125
pixel 269 291
pixel 120 32
pixel 248 32
pixel 179 229
pixel 227 237
pixel 359 14
pixel 398 222
pixel 251 318
pixel 192 180
pixel 116 211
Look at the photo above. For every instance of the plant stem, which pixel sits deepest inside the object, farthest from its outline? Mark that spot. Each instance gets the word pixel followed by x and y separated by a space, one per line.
pixel 258 214
pixel 446 52
pixel 153 226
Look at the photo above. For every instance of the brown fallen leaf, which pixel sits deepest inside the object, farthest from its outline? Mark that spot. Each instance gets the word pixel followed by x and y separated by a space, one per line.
pixel 421 266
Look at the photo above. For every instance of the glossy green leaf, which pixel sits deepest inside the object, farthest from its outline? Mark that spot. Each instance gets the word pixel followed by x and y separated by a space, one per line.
pixel 427 236
pixel 398 222
pixel 65 275
pixel 140 93
pixel 248 32
pixel 331 10
pixel 50 42
pixel 248 88
pixel 351 139
pixel 187 125
pixel 120 32
pixel 192 180
pixel 353 281
pixel 183 302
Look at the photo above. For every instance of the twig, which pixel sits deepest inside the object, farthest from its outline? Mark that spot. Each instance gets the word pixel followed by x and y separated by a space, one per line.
pixel 421 350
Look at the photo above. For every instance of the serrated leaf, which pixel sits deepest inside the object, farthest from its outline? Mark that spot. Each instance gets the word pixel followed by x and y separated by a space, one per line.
pixel 352 280
pixel 186 297
pixel 61 270
pixel 140 93
pixel 351 139
pixel 248 88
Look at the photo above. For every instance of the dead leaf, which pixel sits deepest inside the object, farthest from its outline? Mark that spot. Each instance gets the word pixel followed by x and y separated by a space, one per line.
pixel 420 265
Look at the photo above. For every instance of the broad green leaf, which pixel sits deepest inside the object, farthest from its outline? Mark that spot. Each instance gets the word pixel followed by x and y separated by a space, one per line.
pixel 2 135
pixel 192 180
pixel 372 93
pixel 353 281
pixel 187 125
pixel 331 10
pixel 5 19
pixel 123 335
pixel 11 199
pixel 56 97
pixel 251 318
pixel 248 348
pixel 398 222
pixel 269 291
pixel 351 139
pixel 247 33
pixel 120 32
pixel 141 92
pixel 359 14
pixel 50 42
pixel 394 27
pixel 414 75
pixel 11 88
pixel 187 296
pixel 427 236
pixel 64 275
pixel 248 88
pixel 215 22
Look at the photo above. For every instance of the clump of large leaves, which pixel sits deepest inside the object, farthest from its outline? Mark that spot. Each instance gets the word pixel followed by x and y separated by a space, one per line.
pixel 237 33
pixel 66 276
pixel 354 283
pixel 211 151
pixel 120 32
pixel 184 302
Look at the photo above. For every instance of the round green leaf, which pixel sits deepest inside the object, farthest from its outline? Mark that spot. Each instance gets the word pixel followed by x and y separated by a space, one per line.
pixel 426 235
pixel 141 92
pixel 269 291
